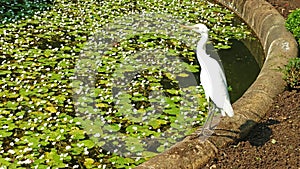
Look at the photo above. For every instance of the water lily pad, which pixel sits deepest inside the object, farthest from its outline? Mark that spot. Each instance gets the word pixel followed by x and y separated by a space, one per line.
pixel 51 109
pixel 88 143
pixel 89 163
pixel 77 134
pixel 156 123
pixel 172 111
pixel 112 127
pixel 5 133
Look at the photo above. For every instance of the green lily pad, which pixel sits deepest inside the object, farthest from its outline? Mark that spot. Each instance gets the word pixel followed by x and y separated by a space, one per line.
pixel 77 134
pixel 87 143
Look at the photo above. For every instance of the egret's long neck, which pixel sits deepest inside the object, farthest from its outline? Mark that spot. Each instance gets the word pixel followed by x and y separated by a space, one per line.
pixel 202 42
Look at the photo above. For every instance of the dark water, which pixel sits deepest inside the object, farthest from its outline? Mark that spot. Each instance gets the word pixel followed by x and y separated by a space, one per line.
pixel 240 66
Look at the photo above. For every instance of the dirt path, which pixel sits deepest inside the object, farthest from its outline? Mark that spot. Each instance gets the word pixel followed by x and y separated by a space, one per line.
pixel 275 142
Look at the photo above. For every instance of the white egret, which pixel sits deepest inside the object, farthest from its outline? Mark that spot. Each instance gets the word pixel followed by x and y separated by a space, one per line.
pixel 212 79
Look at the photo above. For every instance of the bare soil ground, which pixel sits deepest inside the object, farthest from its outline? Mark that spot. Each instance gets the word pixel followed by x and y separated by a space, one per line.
pixel 275 142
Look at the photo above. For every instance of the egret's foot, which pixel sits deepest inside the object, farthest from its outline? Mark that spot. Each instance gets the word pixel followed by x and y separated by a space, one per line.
pixel 206 132
pixel 203 134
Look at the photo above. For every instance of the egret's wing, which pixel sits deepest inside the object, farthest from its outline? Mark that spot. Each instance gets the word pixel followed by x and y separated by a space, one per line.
pixel 214 83
pixel 213 53
pixel 227 108
pixel 221 93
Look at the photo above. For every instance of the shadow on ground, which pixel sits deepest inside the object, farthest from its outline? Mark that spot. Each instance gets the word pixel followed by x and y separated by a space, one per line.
pixel 260 133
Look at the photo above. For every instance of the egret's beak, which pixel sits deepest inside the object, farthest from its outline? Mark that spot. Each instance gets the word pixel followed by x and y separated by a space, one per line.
pixel 187 27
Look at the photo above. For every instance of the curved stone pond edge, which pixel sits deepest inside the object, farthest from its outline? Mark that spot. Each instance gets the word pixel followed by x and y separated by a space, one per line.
pixel 279 46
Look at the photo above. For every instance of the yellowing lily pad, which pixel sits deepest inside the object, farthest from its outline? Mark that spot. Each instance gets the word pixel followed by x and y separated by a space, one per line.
pixel 51 109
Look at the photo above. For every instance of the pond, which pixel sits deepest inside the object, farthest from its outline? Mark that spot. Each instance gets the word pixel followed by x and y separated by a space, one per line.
pixel 137 82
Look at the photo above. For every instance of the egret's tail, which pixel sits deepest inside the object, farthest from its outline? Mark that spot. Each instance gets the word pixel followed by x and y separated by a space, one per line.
pixel 227 109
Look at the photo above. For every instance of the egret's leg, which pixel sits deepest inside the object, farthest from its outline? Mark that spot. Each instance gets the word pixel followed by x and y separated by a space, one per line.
pixel 207 123
pixel 213 110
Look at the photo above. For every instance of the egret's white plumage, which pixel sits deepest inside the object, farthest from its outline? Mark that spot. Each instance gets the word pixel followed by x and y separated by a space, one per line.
pixel 212 76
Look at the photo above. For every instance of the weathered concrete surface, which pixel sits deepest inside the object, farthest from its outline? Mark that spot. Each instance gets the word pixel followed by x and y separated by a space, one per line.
pixel 279 46
pixel 185 154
